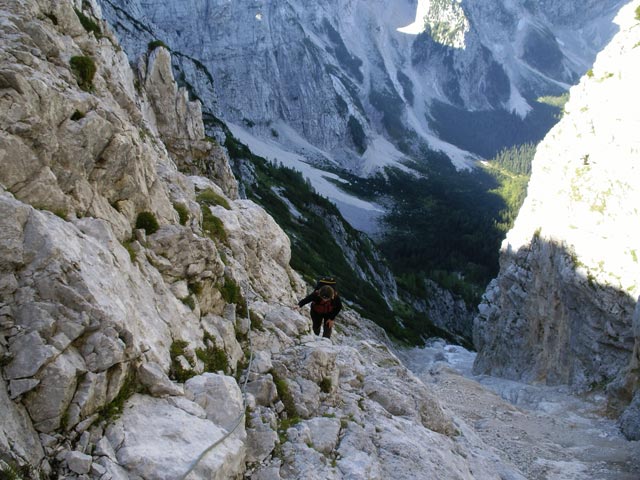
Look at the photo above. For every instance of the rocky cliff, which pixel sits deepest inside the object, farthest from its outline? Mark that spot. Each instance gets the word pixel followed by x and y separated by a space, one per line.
pixel 146 320
pixel 562 308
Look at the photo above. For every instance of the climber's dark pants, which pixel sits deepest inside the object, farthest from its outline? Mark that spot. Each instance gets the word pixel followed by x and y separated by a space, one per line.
pixel 318 320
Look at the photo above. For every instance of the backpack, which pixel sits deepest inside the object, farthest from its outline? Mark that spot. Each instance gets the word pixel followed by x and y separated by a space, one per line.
pixel 322 308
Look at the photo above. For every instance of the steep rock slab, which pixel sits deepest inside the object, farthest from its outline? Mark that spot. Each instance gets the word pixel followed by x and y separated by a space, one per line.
pixel 61 308
pixel 17 434
pixel 261 249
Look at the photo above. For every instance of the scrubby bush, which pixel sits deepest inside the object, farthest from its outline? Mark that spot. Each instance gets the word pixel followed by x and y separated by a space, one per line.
pixel 147 221
pixel 285 396
pixel 177 372
pixel 231 293
pixel 84 69
pixel 638 13
pixel 325 385
pixel 214 358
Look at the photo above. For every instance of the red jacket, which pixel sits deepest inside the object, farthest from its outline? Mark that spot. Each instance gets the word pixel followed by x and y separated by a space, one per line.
pixel 328 309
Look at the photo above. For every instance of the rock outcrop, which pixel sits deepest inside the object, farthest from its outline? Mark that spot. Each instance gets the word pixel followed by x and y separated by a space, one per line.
pixel 562 308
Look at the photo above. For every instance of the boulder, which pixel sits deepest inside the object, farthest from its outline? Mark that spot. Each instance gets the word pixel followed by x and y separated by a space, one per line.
pixel 287 320
pixel 630 419
pixel 154 439
pixel 152 376
pixel 219 396
pixel 78 462
pixel 261 438
pixel 324 433
pixel 263 390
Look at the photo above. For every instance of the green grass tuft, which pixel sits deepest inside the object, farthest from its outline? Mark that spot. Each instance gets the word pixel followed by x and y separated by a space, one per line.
pixel 52 17
pixel 77 115
pixel 285 396
pixel 189 302
pixel 129 247
pixel 214 358
pixel 231 293
pixel 211 198
pixel 89 25
pixel 113 410
pixel 148 222
pixel 212 226
pixel 256 321
pixel 183 213
pixel 84 69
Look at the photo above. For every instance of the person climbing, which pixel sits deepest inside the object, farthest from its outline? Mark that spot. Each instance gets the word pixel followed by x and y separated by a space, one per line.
pixel 325 306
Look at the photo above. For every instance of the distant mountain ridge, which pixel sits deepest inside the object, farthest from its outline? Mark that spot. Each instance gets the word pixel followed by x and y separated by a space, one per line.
pixel 342 73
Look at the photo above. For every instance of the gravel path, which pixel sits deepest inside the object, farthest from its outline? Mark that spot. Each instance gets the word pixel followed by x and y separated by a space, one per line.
pixel 546 432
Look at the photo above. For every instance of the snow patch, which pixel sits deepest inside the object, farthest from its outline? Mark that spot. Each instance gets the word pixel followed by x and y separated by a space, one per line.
pixel 381 153
pixel 517 103
pixel 295 213
pixel 419 25
pixel 322 181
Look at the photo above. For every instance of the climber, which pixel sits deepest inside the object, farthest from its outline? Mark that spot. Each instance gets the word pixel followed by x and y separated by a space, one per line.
pixel 325 305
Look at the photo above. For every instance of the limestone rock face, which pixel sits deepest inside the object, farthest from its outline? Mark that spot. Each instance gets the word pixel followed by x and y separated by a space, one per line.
pixel 67 148
pixel 562 306
pixel 90 310
pixel 262 250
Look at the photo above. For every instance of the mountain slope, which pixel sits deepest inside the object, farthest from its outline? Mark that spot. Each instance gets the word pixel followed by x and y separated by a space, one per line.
pixel 343 73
